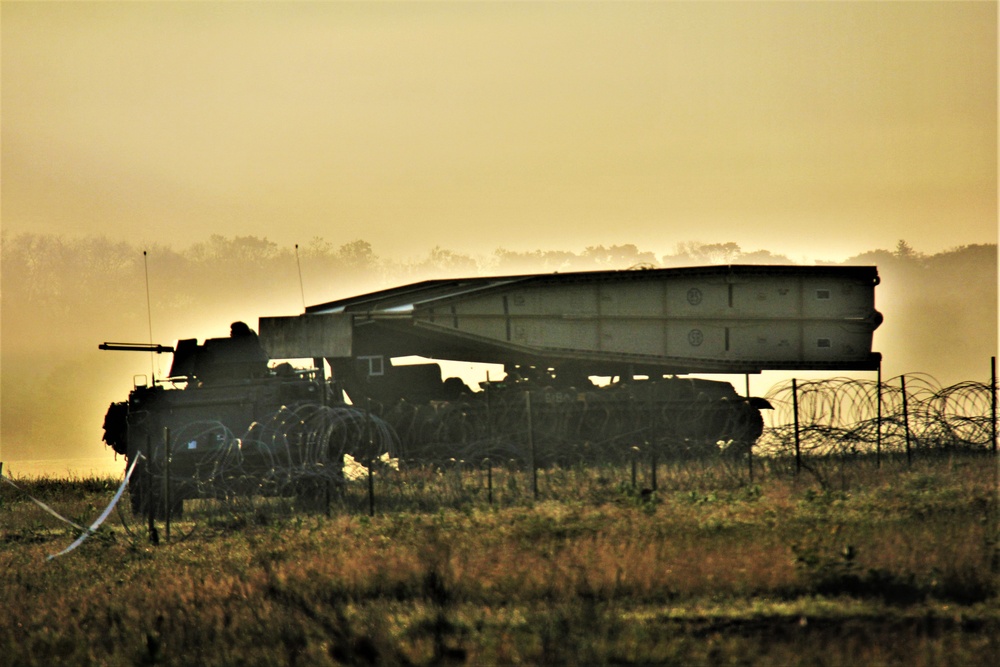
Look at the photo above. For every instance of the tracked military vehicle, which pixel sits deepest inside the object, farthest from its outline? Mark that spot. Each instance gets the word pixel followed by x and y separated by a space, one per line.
pixel 240 418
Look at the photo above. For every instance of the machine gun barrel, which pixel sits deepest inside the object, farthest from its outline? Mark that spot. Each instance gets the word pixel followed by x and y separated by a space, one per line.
pixel 136 347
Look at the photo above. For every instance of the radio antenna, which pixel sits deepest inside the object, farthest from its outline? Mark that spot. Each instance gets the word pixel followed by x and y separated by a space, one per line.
pixel 149 319
pixel 302 290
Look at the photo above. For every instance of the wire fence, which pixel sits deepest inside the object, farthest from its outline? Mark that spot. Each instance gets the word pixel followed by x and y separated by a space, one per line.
pixel 311 454
pixel 343 458
pixel 300 451
pixel 907 413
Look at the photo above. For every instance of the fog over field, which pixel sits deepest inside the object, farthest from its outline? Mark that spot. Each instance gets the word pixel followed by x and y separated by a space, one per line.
pixel 399 141
pixel 62 296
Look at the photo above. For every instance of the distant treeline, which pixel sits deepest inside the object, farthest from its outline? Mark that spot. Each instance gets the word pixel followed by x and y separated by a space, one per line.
pixel 62 295
pixel 53 279
pixel 87 286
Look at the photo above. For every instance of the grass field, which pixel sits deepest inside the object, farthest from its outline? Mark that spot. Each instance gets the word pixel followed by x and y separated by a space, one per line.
pixel 841 564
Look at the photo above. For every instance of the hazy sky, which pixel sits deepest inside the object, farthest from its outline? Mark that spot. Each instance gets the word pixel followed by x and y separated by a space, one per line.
pixel 816 130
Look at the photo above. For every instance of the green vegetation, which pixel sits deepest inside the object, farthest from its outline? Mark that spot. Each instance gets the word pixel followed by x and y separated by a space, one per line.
pixel 843 564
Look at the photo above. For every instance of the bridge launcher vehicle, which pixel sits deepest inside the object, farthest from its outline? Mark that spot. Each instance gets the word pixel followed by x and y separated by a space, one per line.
pixel 243 422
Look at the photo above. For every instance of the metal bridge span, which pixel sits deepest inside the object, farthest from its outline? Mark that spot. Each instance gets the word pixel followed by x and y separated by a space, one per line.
pixel 714 319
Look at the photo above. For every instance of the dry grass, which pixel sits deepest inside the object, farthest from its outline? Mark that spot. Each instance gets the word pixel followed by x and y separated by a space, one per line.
pixel 846 564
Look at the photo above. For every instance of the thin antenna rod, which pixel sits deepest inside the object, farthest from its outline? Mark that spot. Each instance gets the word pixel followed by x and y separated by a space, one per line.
pixel 149 319
pixel 302 289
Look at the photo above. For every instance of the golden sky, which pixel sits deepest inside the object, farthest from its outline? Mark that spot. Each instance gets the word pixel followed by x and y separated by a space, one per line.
pixel 816 130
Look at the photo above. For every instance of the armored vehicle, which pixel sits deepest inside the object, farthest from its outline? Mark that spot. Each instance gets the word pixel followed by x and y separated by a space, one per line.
pixel 591 363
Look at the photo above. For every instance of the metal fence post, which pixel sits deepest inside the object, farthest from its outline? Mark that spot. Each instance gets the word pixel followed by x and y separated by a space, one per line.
pixel 993 404
pixel 489 414
pixel 489 480
pixel 371 456
pixel 652 470
pixel 746 377
pixel 166 481
pixel 531 445
pixel 906 421
pixel 150 509
pixel 795 415
pixel 878 419
pixel 635 462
